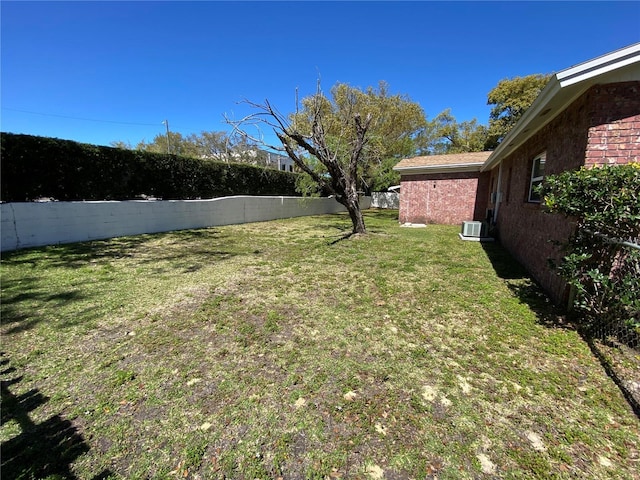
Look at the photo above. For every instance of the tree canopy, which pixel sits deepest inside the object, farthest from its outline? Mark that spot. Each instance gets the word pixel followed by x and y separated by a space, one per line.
pixel 391 136
pixel 510 99
pixel 213 145
pixel 345 142
pixel 444 134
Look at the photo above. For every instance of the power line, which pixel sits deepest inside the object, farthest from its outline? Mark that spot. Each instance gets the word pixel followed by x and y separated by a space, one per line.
pixel 80 118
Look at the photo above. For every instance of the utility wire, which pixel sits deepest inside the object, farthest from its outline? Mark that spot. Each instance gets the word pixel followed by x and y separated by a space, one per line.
pixel 80 118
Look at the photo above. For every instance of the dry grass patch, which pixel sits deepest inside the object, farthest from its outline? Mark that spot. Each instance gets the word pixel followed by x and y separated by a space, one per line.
pixel 271 351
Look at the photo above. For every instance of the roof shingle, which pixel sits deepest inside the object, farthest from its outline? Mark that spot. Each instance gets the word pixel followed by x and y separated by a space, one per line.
pixel 442 160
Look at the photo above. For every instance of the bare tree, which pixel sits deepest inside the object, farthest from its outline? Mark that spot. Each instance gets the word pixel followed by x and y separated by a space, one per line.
pixel 330 154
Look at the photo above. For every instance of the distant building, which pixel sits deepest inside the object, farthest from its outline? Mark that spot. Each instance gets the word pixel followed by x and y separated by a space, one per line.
pixel 255 157
pixel 281 162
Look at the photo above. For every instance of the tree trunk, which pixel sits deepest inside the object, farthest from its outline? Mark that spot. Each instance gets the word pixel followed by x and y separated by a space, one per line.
pixel 353 207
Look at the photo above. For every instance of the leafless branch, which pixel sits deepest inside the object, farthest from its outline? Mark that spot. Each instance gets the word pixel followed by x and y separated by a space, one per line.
pixel 313 143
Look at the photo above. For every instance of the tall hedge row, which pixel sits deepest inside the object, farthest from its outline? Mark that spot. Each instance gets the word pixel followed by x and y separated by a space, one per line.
pixel 35 167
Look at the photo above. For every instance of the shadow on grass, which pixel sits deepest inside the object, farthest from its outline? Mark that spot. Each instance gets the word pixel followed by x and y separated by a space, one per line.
pixel 384 214
pixel 632 397
pixel 548 314
pixel 40 450
pixel 524 287
pixel 198 244
pixel 15 318
pixel 176 253
pixel 342 237
pixel 372 218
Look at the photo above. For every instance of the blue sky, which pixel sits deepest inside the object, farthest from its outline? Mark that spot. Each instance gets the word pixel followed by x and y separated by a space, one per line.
pixel 132 65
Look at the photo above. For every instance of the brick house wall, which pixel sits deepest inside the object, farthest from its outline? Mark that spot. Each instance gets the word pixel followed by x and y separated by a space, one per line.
pixel 442 198
pixel 601 127
pixel 614 133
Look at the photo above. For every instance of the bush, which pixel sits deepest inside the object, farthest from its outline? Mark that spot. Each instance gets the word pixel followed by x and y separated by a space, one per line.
pixel 39 167
pixel 601 263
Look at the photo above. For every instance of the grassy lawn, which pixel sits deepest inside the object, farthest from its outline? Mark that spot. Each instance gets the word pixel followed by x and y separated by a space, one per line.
pixel 272 350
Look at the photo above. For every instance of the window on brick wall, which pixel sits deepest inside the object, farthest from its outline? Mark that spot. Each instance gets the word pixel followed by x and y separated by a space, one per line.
pixel 537 174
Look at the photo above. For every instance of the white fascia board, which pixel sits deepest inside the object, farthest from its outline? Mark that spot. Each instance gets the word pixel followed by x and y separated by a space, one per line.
pixel 598 66
pixel 457 167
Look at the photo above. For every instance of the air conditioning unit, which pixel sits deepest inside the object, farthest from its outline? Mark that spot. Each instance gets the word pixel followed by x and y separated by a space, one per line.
pixel 474 229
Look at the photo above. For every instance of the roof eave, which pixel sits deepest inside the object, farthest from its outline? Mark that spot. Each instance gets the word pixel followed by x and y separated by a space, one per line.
pixel 599 66
pixel 453 168
pixel 536 109
pixel 572 82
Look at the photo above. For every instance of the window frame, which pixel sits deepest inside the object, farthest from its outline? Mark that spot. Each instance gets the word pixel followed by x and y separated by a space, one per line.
pixel 538 160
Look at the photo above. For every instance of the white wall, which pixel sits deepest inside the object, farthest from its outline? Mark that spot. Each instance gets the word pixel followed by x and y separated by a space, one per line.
pixel 389 200
pixel 49 223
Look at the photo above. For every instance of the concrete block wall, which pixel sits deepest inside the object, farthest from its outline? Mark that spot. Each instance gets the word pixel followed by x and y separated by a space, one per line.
pixel 36 224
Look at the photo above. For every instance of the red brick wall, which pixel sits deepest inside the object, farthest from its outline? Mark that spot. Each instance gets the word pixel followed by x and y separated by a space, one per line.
pixel 614 133
pixel 444 198
pixel 605 116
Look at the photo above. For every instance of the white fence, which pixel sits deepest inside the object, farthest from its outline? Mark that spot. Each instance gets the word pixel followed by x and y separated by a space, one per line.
pixel 390 200
pixel 36 224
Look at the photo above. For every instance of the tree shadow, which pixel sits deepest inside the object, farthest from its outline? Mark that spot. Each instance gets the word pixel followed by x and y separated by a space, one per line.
pixel 40 449
pixel 15 318
pixel 76 255
pixel 342 237
pixel 381 213
pixel 371 217
pixel 176 253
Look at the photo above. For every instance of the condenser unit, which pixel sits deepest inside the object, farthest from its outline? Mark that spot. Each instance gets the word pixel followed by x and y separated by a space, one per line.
pixel 474 229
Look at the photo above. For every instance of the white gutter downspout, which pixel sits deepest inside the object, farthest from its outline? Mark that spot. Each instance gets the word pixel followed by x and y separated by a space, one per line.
pixel 498 194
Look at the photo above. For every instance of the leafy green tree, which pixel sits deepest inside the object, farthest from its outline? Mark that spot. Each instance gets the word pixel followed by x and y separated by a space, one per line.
pixel 396 124
pixel 343 141
pixel 121 144
pixel 207 145
pixel 444 134
pixel 510 99
pixel 214 145
pixel 383 176
pixel 176 145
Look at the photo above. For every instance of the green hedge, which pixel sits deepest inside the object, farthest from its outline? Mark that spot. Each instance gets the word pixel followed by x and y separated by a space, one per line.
pixel 39 167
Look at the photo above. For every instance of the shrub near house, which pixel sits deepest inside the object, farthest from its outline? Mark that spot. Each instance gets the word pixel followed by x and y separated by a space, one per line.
pixel 602 264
